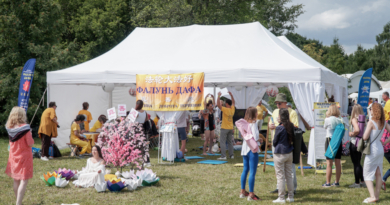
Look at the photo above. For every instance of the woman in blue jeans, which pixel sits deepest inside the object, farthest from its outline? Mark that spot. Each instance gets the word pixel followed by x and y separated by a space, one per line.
pixel 386 148
pixel 250 159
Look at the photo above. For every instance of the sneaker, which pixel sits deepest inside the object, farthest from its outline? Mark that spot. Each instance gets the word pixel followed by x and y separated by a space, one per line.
pixel 269 156
pixel 384 186
pixel 336 184
pixel 290 200
pixel 147 164
pixel 354 185
pixel 274 191
pixel 245 195
pixel 232 157
pixel 326 185
pixel 363 184
pixel 222 158
pixel 254 198
pixel 279 200
pixel 44 159
pixel 51 157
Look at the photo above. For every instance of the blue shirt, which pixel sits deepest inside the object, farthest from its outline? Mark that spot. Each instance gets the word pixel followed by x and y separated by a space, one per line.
pixel 281 144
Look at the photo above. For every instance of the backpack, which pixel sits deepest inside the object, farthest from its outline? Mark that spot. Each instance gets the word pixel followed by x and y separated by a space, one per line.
pixel 297 142
pixel 335 142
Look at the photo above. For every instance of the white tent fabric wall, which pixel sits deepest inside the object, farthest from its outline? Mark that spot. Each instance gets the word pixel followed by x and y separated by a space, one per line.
pixel 70 98
pixel 247 96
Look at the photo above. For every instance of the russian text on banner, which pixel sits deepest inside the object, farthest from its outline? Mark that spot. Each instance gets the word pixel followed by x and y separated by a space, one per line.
pixel 172 92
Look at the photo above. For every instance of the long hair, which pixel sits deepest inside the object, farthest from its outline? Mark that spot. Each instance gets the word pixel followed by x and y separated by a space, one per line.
pixel 99 151
pixel 102 118
pixel 333 111
pixel 285 120
pixel 79 118
pixel 250 114
pixel 356 111
pixel 378 114
pixel 139 105
pixel 16 117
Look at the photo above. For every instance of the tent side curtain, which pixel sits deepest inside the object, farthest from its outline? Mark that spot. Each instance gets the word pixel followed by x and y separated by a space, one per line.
pixel 304 96
pixel 248 96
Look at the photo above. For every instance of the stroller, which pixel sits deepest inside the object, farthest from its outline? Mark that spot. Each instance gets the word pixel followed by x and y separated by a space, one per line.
pixel 196 125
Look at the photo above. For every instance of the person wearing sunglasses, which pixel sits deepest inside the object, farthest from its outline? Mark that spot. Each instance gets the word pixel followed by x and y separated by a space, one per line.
pixel 281 102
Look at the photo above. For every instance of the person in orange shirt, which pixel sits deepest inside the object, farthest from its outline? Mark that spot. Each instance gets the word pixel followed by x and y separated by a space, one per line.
pixel 20 161
pixel 88 117
pixel 48 129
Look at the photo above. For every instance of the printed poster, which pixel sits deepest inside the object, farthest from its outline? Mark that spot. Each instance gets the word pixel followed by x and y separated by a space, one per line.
pixel 111 113
pixel 171 92
pixel 133 115
pixel 122 110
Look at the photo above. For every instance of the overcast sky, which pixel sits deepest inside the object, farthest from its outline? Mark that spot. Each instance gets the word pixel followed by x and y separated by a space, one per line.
pixel 352 21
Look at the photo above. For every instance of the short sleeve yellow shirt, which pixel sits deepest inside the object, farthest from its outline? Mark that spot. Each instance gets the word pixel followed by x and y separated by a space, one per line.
pixel 260 110
pixel 96 126
pixel 74 127
pixel 47 126
pixel 227 118
pixel 387 110
pixel 88 117
pixel 275 115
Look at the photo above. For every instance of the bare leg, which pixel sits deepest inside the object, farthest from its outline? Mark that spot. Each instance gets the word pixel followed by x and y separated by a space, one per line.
pixel 183 146
pixel 378 183
pixel 206 141
pixel 338 170
pixel 370 187
pixel 329 164
pixel 211 141
pixel 21 191
pixel 16 187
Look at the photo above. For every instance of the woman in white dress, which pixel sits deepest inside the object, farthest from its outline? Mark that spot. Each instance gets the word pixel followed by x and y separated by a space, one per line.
pixel 373 163
pixel 94 172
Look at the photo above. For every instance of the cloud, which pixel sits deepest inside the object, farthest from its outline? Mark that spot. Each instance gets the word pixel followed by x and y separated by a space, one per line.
pixel 377 5
pixel 330 19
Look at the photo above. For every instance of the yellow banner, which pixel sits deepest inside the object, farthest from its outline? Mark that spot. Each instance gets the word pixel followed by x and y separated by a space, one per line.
pixel 173 92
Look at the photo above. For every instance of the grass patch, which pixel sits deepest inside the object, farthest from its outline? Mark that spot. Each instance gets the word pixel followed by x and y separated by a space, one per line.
pixel 182 183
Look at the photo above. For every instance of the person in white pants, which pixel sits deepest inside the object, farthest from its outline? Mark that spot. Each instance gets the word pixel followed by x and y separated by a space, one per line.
pixel 281 102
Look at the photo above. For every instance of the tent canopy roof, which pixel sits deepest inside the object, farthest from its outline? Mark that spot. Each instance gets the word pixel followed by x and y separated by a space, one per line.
pixel 241 54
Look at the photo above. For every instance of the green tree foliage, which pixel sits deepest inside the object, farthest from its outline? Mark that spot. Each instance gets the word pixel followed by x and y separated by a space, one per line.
pixel 30 29
pixel 312 51
pixel 381 55
pixel 334 57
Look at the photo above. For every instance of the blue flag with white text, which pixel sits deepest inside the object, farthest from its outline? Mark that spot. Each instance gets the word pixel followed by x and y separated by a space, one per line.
pixel 364 90
pixel 25 83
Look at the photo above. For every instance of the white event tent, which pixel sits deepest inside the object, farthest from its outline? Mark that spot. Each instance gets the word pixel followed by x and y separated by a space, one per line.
pixel 245 58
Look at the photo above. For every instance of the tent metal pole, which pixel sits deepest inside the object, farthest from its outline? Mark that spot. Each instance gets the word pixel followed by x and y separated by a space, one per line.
pixel 110 100
pixel 215 90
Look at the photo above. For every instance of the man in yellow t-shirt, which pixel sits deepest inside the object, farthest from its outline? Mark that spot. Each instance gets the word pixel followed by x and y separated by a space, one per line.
pixel 88 118
pixel 227 126
pixel 281 102
pixel 385 97
pixel 262 112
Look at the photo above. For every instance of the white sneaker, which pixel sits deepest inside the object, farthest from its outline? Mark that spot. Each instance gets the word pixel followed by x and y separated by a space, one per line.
pixel 279 201
pixel 354 185
pixel 269 156
pixel 51 157
pixel 44 159
pixel 147 165
pixel 222 158
pixel 290 200
pixel 232 157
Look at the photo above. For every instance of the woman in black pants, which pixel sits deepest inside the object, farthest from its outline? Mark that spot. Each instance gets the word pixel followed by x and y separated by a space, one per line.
pixel 355 155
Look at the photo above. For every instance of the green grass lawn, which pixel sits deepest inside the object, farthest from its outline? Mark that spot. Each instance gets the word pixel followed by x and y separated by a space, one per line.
pixel 183 183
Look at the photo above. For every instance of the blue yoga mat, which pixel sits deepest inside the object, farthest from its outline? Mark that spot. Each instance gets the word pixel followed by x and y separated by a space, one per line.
pixel 268 152
pixel 268 163
pixel 262 155
pixel 212 154
pixel 201 147
pixel 212 162
pixel 194 157
pixel 305 167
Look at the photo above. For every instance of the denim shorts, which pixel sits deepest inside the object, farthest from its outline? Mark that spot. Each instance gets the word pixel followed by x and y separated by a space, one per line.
pixel 182 133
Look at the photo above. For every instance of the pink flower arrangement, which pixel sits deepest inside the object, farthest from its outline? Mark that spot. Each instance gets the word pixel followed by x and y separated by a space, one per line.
pixel 123 143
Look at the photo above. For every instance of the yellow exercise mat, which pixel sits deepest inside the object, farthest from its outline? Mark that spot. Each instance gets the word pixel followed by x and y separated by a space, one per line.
pixel 241 165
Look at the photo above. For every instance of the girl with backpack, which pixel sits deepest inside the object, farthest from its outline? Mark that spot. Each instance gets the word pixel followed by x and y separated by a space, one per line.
pixel 331 121
pixel 250 152
pixel 356 134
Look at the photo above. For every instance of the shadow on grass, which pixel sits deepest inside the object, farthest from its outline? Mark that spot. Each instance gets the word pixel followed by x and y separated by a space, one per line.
pixel 324 191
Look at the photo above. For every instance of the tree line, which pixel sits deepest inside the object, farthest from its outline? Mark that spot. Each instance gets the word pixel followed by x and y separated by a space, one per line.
pixel 63 33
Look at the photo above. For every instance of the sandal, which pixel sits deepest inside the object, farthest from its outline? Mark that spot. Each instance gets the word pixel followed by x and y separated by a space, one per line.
pixel 367 201
pixel 246 194
pixel 254 198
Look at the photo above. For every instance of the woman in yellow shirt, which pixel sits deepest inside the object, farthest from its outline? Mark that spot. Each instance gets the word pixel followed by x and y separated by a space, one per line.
pixel 99 123
pixel 76 138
